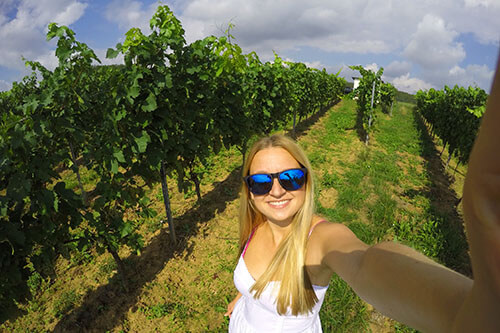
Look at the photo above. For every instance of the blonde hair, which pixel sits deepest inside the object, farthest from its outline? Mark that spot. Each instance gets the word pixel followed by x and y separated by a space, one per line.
pixel 288 264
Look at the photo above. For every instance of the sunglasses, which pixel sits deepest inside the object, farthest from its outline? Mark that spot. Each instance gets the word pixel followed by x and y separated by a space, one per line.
pixel 290 180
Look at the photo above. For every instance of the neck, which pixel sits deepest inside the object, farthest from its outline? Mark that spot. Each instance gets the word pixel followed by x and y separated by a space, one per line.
pixel 279 230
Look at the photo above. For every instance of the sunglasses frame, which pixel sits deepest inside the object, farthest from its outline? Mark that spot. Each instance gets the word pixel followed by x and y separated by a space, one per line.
pixel 275 175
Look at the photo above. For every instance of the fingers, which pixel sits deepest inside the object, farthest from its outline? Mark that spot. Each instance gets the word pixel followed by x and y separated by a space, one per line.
pixel 229 312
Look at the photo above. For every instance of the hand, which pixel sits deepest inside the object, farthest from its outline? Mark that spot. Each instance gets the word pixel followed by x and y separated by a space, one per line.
pixel 230 306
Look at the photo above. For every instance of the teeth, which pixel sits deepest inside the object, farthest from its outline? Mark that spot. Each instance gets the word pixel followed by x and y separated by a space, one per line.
pixel 278 203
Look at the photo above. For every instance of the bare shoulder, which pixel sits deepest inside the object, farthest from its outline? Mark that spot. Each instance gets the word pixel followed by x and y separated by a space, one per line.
pixel 337 249
pixel 335 237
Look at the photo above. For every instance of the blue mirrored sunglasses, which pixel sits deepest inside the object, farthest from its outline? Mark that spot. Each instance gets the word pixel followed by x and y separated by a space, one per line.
pixel 290 180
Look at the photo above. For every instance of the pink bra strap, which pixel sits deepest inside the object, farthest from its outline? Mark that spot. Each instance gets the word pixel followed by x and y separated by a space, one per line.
pixel 248 241
pixel 314 226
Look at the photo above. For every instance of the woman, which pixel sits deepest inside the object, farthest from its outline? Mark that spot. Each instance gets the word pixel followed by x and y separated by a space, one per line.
pixel 288 254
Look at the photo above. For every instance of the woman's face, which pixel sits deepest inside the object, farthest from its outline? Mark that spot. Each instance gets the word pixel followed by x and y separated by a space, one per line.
pixel 279 205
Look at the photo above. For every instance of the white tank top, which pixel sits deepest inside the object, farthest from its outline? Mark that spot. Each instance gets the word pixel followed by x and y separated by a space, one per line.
pixel 260 315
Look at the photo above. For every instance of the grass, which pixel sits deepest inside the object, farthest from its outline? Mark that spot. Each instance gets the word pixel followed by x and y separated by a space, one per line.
pixel 382 194
pixel 394 189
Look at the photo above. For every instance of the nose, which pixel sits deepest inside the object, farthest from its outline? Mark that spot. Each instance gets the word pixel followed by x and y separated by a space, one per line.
pixel 277 190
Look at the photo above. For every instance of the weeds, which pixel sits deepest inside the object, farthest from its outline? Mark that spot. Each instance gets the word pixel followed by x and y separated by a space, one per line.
pixel 177 310
pixel 65 303
pixel 108 266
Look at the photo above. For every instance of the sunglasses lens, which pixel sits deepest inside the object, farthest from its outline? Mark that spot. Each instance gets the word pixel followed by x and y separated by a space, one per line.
pixel 260 183
pixel 292 180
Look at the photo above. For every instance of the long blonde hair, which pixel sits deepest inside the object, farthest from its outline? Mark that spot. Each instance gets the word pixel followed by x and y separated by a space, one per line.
pixel 288 264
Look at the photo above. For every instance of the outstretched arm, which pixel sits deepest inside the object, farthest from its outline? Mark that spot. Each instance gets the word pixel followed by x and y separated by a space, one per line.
pixel 407 286
pixel 398 281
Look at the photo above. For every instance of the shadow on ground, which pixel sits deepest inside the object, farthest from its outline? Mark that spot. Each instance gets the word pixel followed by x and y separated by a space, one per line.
pixel 97 314
pixel 107 306
pixel 360 130
pixel 443 201
pixel 305 125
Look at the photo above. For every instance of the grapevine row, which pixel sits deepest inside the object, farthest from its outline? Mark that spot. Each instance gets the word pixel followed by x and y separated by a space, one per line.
pixel 161 114
pixel 454 115
pixel 371 92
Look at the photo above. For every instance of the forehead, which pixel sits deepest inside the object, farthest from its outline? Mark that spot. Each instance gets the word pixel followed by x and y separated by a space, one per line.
pixel 271 160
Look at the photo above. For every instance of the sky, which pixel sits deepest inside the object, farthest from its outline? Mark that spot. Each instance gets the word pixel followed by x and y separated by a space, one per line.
pixel 421 44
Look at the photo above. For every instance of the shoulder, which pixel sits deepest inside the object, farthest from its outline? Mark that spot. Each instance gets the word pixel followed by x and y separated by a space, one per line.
pixel 337 247
pixel 330 234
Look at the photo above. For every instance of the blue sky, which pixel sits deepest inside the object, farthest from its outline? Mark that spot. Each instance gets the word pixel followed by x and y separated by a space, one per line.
pixel 421 44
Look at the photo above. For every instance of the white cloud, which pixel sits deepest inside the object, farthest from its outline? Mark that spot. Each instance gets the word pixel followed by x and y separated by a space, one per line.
pixel 410 84
pixel 48 60
pixel 24 35
pixel 420 35
pixel 479 17
pixel 283 25
pixel 130 14
pixel 314 64
pixel 482 3
pixel 396 69
pixel 71 14
pixel 433 46
pixel 425 33
pixel 40 13
pixel 472 75
pixel 195 29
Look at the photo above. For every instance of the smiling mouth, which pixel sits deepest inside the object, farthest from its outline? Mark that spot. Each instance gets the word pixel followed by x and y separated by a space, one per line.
pixel 279 204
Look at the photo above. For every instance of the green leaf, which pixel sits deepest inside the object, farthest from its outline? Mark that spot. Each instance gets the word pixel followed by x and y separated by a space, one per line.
pixel 142 142
pixel 114 166
pixel 126 230
pixel 168 81
pixel 80 99
pixel 151 103
pixel 56 203
pixel 3 210
pixel 134 91
pixel 219 71
pixel 119 156
pixel 112 53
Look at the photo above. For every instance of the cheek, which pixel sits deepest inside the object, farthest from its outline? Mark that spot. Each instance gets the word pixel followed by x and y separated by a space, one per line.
pixel 301 196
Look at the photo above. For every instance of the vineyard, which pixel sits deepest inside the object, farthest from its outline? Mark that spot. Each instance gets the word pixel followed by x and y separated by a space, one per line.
pixel 162 114
pixel 118 184
pixel 454 115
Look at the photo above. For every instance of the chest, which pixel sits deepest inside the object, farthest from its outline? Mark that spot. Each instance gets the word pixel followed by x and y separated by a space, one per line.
pixel 260 253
